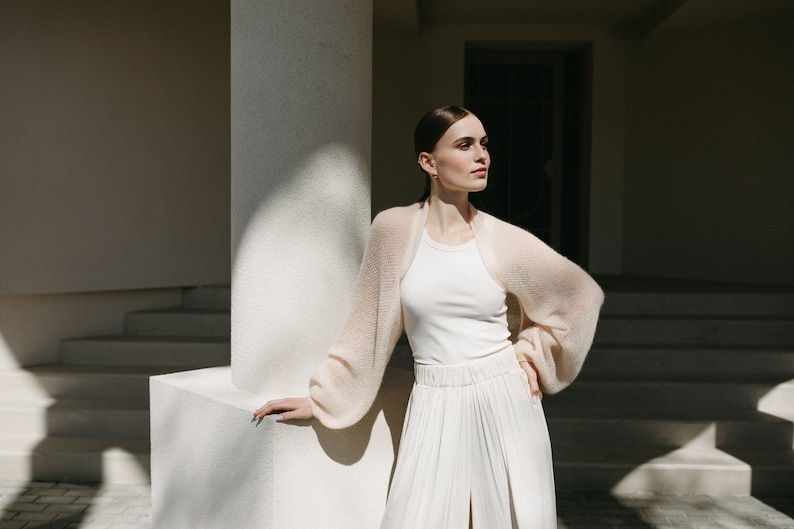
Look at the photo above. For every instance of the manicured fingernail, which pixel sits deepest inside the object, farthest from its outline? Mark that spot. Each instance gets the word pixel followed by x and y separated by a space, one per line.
pixel 534 398
pixel 279 418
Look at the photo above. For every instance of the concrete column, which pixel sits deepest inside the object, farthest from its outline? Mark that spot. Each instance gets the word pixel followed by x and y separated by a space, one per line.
pixel 301 135
pixel 301 121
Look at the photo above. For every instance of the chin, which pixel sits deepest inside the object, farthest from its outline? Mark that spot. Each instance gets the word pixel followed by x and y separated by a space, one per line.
pixel 480 185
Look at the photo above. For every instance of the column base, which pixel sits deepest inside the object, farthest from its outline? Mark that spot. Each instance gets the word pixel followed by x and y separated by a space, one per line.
pixel 215 467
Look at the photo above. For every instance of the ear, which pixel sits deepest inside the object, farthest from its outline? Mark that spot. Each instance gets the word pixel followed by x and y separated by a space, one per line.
pixel 427 163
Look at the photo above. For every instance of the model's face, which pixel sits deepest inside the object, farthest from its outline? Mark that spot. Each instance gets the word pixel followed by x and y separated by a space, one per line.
pixel 460 158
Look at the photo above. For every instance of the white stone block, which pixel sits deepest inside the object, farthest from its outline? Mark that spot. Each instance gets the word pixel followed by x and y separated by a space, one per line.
pixel 213 467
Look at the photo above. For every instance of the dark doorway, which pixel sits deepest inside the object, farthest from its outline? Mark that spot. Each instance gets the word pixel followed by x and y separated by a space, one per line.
pixel 535 107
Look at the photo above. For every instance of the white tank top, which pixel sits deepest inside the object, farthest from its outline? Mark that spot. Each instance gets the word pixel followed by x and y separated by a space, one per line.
pixel 453 309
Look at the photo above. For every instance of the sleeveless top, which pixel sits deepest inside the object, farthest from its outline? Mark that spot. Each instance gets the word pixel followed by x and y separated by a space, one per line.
pixel 453 310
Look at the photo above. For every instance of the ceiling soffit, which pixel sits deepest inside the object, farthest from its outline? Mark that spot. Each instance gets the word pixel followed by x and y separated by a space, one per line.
pixel 640 17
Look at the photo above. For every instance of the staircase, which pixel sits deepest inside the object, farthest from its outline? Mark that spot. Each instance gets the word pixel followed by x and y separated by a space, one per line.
pixel 689 389
pixel 86 419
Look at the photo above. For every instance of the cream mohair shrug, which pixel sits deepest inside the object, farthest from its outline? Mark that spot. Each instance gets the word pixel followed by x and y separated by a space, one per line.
pixel 555 306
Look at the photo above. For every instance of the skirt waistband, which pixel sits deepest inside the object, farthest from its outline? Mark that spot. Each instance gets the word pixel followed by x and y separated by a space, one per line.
pixel 473 372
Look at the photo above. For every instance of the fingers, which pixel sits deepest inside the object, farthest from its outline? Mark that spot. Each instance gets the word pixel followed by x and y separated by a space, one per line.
pixel 303 413
pixel 288 409
pixel 532 378
pixel 269 407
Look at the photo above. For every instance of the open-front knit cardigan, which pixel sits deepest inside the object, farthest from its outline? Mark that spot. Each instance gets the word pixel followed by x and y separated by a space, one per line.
pixel 559 305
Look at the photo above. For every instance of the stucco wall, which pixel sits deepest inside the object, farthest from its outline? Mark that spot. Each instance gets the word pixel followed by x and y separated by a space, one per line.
pixel 709 158
pixel 416 72
pixel 114 145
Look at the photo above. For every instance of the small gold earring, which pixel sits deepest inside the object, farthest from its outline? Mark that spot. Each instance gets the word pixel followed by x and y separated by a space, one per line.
pixel 435 175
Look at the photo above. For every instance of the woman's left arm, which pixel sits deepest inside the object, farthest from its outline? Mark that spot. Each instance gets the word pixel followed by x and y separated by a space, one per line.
pixel 560 304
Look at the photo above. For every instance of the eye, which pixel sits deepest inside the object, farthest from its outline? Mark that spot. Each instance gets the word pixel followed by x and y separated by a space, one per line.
pixel 464 145
pixel 484 145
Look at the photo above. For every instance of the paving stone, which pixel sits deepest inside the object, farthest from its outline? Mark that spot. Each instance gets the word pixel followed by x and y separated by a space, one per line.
pixel 81 506
pixel 90 525
pixel 80 493
pixel 109 508
pixel 54 500
pixel 27 498
pixel 41 484
pixel 26 507
pixel 117 518
pixel 9 490
pixel 35 517
pixel 62 509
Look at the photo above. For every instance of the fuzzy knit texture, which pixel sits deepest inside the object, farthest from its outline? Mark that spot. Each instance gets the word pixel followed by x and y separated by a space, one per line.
pixel 554 306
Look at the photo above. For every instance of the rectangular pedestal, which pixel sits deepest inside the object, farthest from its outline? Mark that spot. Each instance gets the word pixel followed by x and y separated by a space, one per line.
pixel 213 467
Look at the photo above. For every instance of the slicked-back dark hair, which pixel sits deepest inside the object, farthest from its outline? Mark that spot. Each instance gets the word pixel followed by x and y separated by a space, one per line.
pixel 429 130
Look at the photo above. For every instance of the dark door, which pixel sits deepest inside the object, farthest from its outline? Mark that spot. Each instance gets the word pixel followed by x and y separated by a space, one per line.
pixel 532 104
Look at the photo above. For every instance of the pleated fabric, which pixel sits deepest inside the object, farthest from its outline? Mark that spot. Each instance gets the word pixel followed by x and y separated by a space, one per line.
pixel 474 451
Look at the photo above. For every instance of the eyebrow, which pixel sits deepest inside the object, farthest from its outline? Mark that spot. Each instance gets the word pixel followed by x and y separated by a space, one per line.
pixel 470 139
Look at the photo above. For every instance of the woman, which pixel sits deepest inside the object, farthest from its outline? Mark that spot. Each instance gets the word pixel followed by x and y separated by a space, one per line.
pixel 475 447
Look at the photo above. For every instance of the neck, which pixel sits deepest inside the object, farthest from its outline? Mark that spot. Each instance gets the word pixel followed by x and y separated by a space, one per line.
pixel 449 213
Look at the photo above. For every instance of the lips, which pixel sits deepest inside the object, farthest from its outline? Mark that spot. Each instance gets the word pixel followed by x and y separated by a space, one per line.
pixel 481 172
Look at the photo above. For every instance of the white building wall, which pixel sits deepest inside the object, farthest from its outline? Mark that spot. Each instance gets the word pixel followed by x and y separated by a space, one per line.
pixel 114 145
pixel 709 158
pixel 114 164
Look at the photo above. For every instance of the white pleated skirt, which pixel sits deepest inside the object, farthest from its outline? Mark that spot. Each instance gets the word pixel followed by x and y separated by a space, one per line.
pixel 474 451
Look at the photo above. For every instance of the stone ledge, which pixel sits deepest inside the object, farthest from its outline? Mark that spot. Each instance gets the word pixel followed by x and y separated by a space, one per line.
pixel 212 466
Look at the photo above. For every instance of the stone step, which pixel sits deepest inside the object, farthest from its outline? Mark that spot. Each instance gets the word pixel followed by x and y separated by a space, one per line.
pixel 687 331
pixel 743 303
pixel 773 470
pixel 80 382
pixel 751 430
pixel 667 394
pixel 67 459
pixel 779 401
pixel 75 417
pixel 188 352
pixel 179 322
pixel 688 470
pixel 217 298
pixel 626 359
pixel 671 398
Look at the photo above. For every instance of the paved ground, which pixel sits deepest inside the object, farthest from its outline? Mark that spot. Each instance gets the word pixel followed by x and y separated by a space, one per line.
pixel 73 506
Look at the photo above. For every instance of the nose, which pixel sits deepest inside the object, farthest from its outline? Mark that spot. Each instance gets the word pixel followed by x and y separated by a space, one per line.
pixel 482 154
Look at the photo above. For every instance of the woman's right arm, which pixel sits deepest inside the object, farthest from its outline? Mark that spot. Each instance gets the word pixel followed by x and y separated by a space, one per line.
pixel 344 385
